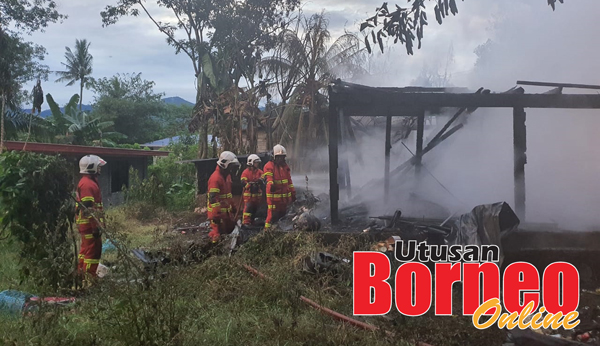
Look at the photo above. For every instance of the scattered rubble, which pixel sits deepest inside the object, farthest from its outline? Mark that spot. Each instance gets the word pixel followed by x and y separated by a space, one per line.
pixel 386 246
pixel 321 262
pixel 484 225
pixel 306 222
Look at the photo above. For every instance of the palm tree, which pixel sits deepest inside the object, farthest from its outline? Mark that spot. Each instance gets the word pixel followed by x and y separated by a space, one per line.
pixel 79 67
pixel 303 65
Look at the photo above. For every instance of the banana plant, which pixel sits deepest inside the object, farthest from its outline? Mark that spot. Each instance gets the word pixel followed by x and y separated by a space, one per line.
pixel 80 128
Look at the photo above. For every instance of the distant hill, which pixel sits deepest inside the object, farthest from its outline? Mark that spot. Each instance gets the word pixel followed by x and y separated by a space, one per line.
pixel 175 100
pixel 46 113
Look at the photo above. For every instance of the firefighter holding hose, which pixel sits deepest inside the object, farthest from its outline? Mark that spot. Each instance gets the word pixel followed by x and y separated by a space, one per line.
pixel 280 188
pixel 252 180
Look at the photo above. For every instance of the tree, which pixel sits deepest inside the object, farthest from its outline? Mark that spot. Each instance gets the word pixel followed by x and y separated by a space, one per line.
pixel 406 24
pixel 131 103
pixel 19 60
pixel 79 67
pixel 230 33
pixel 303 65
pixel 28 16
pixel 175 120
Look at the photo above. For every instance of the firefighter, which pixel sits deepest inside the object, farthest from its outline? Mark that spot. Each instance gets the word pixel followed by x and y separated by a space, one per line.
pixel 252 178
pixel 280 189
pixel 88 195
pixel 221 209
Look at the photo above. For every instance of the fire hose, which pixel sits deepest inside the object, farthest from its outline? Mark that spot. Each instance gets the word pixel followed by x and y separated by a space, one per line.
pixel 325 310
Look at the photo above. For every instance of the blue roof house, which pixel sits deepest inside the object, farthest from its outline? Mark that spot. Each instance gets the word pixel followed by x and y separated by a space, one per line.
pixel 161 143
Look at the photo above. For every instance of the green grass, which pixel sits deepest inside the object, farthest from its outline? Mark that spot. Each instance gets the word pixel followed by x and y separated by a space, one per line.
pixel 218 302
pixel 9 269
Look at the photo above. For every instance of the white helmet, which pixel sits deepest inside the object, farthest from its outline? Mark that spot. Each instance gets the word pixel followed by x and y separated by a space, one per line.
pixel 279 150
pixel 226 158
pixel 253 158
pixel 89 164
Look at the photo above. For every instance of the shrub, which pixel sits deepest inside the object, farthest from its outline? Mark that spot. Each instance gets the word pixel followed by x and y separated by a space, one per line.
pixel 37 210
pixel 170 185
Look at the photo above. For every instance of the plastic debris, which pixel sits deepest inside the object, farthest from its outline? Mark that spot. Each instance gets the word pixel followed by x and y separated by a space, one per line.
pixel 102 270
pixel 14 303
pixel 108 246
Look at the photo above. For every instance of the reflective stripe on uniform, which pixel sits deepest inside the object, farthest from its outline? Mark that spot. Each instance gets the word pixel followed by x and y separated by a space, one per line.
pixel 267 174
pixel 88 199
pixel 88 236
pixel 271 206
pixel 214 189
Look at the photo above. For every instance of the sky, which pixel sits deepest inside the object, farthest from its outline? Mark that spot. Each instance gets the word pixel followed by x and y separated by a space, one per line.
pixel 134 45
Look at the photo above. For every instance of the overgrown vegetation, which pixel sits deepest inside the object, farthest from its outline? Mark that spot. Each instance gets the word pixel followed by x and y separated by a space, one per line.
pixel 218 302
pixel 169 185
pixel 37 211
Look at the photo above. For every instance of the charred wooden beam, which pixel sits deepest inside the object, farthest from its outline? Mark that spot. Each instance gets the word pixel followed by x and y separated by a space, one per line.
pixel 376 103
pixel 410 162
pixel 559 85
pixel 420 130
pixel 447 125
pixel 341 152
pixel 388 147
pixel 520 159
pixel 333 159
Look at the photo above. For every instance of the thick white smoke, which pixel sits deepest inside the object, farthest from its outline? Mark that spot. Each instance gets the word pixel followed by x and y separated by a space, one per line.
pixel 528 42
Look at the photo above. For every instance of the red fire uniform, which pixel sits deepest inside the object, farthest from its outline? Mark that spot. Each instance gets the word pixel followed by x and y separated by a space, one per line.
pixel 220 204
pixel 280 191
pixel 252 192
pixel 88 194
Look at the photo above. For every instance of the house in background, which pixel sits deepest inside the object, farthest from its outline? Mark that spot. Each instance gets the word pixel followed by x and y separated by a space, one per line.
pixel 115 174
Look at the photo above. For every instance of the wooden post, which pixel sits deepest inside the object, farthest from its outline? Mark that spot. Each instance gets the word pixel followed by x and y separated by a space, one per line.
pixel 420 130
pixel 520 159
pixel 341 153
pixel 388 147
pixel 333 160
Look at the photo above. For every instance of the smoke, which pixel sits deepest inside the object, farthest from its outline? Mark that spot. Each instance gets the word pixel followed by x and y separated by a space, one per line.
pixel 527 41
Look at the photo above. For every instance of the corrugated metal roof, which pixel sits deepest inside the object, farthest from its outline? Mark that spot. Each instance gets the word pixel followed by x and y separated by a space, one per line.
pixel 166 141
pixel 77 150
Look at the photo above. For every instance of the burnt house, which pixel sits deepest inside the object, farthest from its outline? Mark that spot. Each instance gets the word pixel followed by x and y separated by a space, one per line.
pixel 347 100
